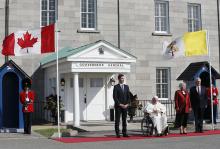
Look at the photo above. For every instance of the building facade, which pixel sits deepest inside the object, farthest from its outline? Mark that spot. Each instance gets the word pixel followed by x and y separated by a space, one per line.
pixel 138 27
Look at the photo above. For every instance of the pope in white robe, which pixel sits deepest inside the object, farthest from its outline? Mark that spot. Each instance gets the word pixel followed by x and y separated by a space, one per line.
pixel 157 112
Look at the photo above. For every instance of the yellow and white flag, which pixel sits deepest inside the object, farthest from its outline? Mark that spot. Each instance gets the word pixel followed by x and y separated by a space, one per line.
pixel 190 44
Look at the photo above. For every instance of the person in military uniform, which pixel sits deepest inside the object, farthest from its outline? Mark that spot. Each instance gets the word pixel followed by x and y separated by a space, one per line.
pixel 27 100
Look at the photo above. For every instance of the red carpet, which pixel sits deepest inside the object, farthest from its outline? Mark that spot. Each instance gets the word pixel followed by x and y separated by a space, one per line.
pixel 113 138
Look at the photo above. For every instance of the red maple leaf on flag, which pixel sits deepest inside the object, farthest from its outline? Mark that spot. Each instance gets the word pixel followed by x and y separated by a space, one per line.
pixel 27 41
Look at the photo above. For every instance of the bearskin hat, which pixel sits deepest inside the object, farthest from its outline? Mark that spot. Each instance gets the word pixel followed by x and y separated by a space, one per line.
pixel 26 82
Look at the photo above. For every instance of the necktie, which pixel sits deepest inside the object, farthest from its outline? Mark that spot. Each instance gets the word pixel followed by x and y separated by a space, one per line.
pixel 199 90
pixel 122 87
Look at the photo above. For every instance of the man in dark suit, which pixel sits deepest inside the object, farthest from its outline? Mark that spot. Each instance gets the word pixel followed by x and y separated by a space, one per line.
pixel 198 97
pixel 121 98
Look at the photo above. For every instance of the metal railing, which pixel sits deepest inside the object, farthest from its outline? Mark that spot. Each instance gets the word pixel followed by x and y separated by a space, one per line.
pixel 170 108
pixel 42 116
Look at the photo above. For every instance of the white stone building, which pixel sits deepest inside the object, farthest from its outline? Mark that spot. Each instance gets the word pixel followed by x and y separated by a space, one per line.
pixel 87 72
pixel 144 26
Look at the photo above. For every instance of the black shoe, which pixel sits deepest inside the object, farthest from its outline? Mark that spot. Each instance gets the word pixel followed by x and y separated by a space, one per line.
pixel 159 135
pixel 125 135
pixel 118 136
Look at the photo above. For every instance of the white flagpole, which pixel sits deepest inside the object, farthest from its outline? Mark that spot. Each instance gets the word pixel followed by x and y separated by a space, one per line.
pixel 210 77
pixel 58 94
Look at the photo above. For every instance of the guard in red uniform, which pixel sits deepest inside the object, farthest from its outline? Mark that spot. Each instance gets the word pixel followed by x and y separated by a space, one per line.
pixel 27 100
pixel 215 101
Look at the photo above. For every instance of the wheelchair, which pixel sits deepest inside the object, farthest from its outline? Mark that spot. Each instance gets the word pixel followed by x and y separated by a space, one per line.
pixel 148 128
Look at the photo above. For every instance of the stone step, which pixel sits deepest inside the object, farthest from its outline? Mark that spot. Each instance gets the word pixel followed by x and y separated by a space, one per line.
pixel 11 130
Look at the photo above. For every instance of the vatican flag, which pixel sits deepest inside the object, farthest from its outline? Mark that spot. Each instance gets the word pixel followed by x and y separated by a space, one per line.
pixel 190 44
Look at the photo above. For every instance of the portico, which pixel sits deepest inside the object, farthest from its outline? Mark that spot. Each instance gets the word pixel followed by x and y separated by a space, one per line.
pixel 89 74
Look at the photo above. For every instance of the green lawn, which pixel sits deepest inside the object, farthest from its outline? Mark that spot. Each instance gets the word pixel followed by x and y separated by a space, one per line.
pixel 50 131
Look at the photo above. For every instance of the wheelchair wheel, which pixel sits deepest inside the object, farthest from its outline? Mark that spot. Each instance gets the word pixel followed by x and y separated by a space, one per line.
pixel 167 131
pixel 147 126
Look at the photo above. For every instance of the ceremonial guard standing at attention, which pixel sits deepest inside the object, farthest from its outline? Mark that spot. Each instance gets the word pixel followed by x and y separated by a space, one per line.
pixel 27 100
pixel 215 101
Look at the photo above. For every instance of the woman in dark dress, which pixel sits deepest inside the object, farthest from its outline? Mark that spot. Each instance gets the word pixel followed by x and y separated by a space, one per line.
pixel 183 107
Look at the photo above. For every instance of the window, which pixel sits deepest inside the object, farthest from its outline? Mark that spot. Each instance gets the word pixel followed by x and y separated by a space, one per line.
pixel 52 85
pixel 163 82
pixel 161 16
pixel 48 12
pixel 81 82
pixel 71 82
pixel 96 82
pixel 88 14
pixel 194 17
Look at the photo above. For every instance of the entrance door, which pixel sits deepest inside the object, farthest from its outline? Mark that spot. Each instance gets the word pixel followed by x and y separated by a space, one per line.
pixel 10 101
pixel 205 79
pixel 96 97
pixel 92 97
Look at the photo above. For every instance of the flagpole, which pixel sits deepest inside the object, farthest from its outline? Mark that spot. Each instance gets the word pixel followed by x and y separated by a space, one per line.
pixel 58 95
pixel 210 77
pixel 6 22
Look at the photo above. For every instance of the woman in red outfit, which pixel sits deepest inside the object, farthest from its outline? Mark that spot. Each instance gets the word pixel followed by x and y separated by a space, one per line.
pixel 183 107
pixel 215 101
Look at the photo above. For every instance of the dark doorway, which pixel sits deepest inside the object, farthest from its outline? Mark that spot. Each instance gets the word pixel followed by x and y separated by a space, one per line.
pixel 205 79
pixel 10 102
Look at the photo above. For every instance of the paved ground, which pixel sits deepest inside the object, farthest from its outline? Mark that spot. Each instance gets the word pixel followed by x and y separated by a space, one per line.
pixel 17 136
pixel 35 141
pixel 104 128
pixel 205 142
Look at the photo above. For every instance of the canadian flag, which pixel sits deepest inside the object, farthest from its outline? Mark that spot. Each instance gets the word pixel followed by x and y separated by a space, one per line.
pixel 22 43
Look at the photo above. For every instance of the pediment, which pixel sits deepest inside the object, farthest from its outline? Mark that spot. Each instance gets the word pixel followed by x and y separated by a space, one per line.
pixel 102 50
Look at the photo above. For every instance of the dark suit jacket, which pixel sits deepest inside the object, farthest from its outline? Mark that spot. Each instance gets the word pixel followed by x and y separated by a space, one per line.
pixel 198 101
pixel 120 96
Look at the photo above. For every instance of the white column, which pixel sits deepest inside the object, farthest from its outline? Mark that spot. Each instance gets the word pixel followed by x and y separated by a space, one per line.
pixel 106 96
pixel 76 100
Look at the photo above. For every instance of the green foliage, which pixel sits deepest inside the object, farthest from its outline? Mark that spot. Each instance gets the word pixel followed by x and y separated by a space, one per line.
pixel 51 105
pixel 50 131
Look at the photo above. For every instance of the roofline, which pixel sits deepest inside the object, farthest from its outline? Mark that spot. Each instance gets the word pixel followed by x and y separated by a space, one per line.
pixel 205 63
pixel 118 48
pixel 22 71
pixel 104 41
pixel 52 63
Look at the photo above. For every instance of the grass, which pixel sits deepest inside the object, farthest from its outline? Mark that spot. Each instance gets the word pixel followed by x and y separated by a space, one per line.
pixel 50 131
